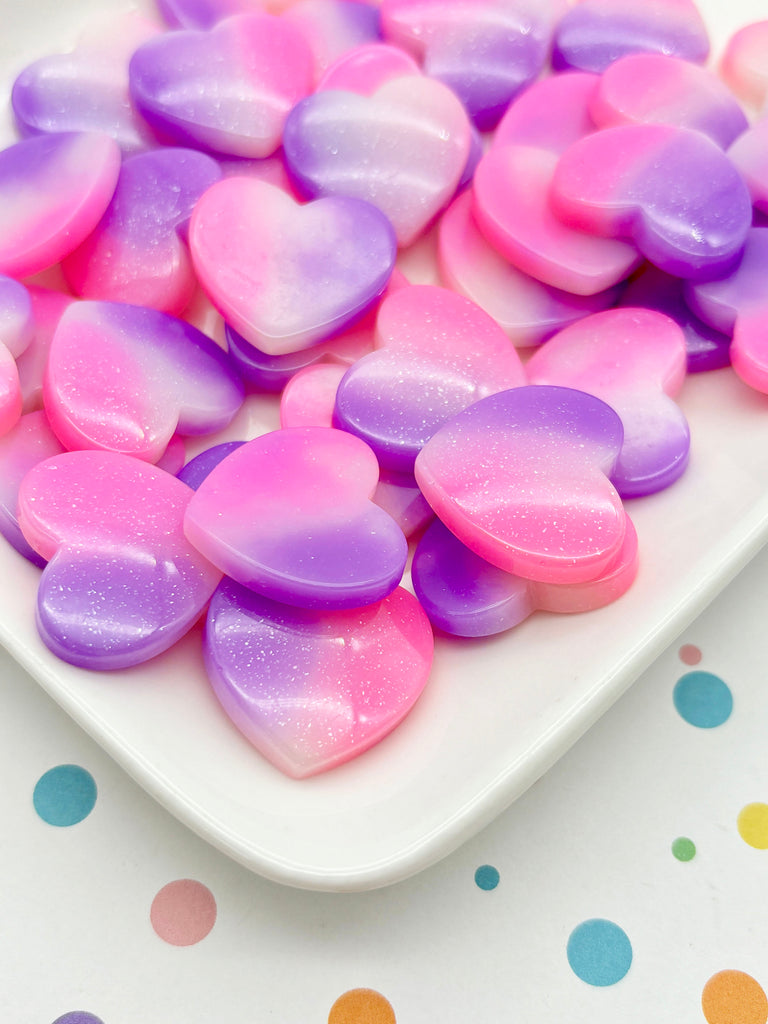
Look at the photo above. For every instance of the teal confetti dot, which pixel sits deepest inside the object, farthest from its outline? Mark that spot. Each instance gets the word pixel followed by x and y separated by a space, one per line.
pixel 703 699
pixel 486 877
pixel 683 848
pixel 599 952
pixel 64 795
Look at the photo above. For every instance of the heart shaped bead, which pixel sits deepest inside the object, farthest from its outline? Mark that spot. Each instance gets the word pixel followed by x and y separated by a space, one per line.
pixel 522 479
pixel 672 191
pixel 310 689
pixel 137 251
pixel 127 378
pixel 487 51
pixel 290 516
pixel 122 584
pixel 436 353
pixel 87 89
pixel 286 276
pixel 404 148
pixel 228 89
pixel 527 310
pixel 466 596
pixel 54 190
pixel 653 88
pixel 594 33
pixel 635 360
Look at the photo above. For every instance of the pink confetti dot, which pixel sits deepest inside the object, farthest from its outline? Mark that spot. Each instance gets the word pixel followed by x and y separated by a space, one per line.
pixel 689 654
pixel 183 912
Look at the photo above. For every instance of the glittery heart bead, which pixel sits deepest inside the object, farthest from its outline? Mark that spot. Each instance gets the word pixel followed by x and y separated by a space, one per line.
pixel 289 515
pixel 127 378
pixel 137 252
pixel 53 192
pixel 466 596
pixel 87 89
pixel 485 50
pixel 522 479
pixel 594 33
pixel 671 190
pixel 122 584
pixel 286 276
pixel 635 360
pixel 436 353
pixel 653 88
pixel 311 689
pixel 228 89
pixel 404 148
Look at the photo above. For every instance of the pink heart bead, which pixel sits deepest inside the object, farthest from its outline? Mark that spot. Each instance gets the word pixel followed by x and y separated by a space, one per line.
pixel 311 690
pixel 290 516
pixel 122 584
pixel 436 353
pixel 404 149
pixel 127 378
pixel 283 275
pixel 53 192
pixel 228 89
pixel 521 478
pixel 527 310
pixel 512 208
pixel 635 360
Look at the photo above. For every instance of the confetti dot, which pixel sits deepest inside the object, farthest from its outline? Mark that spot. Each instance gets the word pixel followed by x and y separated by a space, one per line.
pixel 683 848
pixel 64 795
pixel 703 699
pixel 599 952
pixel 689 654
pixel 487 877
pixel 78 1017
pixel 732 997
pixel 183 912
pixel 753 825
pixel 361 1006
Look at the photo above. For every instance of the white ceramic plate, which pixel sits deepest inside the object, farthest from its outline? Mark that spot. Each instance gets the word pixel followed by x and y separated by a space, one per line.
pixel 496 714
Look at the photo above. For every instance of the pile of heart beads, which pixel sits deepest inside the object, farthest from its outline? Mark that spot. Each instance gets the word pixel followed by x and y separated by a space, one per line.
pixel 595 195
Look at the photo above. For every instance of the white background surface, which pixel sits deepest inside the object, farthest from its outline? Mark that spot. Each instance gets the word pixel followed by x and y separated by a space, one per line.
pixel 592 839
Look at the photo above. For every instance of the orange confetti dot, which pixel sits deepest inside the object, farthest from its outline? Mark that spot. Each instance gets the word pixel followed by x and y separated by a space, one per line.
pixel 361 1006
pixel 733 997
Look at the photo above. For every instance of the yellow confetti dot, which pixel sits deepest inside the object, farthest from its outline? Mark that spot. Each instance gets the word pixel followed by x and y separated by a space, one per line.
pixel 753 825
pixel 361 1006
pixel 732 997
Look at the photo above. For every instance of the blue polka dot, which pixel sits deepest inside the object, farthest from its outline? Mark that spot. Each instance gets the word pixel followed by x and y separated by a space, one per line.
pixel 78 1017
pixel 703 699
pixel 487 877
pixel 599 952
pixel 65 795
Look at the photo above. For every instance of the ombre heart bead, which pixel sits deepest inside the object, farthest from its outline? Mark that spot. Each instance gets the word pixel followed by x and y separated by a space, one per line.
pixel 285 275
pixel 436 353
pixel 290 516
pixel 635 360
pixel 403 149
pixel 464 595
pixel 522 479
pixel 137 253
pixel 87 89
pixel 53 192
pixel 310 689
pixel 122 584
pixel 485 50
pixel 127 378
pixel 229 89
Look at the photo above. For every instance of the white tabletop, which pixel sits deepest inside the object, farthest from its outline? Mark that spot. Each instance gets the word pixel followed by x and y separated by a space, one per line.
pixel 592 840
